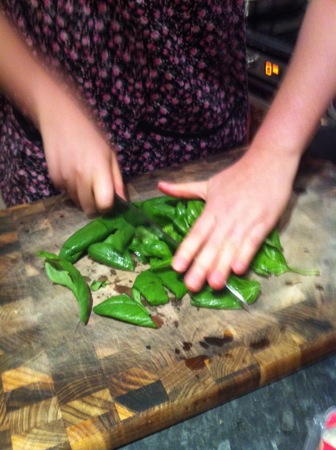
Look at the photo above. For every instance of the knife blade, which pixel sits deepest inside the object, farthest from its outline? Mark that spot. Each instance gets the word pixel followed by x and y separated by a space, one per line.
pixel 238 297
pixel 136 217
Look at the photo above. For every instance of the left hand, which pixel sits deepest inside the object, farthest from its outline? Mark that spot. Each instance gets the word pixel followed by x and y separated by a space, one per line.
pixel 243 204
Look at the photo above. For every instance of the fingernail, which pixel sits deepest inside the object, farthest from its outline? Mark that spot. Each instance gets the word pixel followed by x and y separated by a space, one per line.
pixel 239 267
pixel 179 264
pixel 193 282
pixel 216 280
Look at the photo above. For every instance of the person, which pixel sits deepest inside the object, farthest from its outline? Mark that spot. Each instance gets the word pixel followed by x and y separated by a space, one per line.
pixel 244 202
pixel 144 84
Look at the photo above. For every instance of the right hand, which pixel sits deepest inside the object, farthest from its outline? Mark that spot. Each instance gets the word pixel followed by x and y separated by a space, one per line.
pixel 80 162
pixel 79 159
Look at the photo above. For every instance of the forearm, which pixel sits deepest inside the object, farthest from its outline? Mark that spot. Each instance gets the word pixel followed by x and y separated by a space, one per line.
pixel 308 86
pixel 22 76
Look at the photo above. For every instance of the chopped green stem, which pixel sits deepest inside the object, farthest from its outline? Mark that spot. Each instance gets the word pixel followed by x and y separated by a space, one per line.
pixel 308 272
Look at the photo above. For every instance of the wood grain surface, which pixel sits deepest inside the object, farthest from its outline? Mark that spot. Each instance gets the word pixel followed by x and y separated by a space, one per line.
pixel 68 386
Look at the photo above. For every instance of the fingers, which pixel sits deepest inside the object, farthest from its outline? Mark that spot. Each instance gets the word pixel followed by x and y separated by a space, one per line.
pixel 236 253
pixel 92 186
pixel 249 245
pixel 79 189
pixel 215 247
pixel 103 190
pixel 241 209
pixel 221 266
pixel 205 254
pixel 86 198
pixel 212 254
pixel 103 183
pixel 188 252
pixel 80 160
pixel 108 181
pixel 184 190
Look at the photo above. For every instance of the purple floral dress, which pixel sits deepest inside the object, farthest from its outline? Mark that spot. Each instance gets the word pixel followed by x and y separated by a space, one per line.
pixel 165 78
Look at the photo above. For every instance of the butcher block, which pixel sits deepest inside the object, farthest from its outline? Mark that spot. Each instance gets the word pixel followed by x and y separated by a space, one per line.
pixel 66 385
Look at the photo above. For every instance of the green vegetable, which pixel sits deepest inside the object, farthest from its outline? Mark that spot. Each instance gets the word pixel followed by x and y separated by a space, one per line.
pixel 126 309
pixel 224 299
pixel 105 254
pixel 79 241
pixel 156 248
pixel 136 295
pixel 273 240
pixel 194 210
pixel 157 264
pixel 170 229
pixel 63 272
pixel 173 282
pixel 96 285
pixel 150 244
pixel 270 259
pixel 121 236
pixel 114 240
pixel 180 219
pixel 160 209
pixel 136 248
pixel 95 231
pixel 150 287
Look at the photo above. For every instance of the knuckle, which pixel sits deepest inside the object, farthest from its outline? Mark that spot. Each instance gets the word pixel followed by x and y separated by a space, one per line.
pixel 201 264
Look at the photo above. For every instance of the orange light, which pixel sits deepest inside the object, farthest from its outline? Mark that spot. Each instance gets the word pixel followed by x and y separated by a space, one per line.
pixel 268 68
pixel 276 69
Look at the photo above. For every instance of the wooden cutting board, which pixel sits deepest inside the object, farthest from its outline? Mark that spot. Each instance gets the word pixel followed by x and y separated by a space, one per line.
pixel 68 386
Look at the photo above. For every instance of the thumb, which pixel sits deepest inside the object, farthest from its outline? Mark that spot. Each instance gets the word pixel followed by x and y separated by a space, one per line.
pixel 196 189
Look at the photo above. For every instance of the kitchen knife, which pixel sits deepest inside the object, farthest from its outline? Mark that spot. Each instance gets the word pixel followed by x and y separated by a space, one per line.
pixel 136 217
pixel 238 297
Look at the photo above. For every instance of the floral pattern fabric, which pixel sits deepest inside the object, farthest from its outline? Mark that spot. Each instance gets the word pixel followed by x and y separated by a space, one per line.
pixel 166 79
